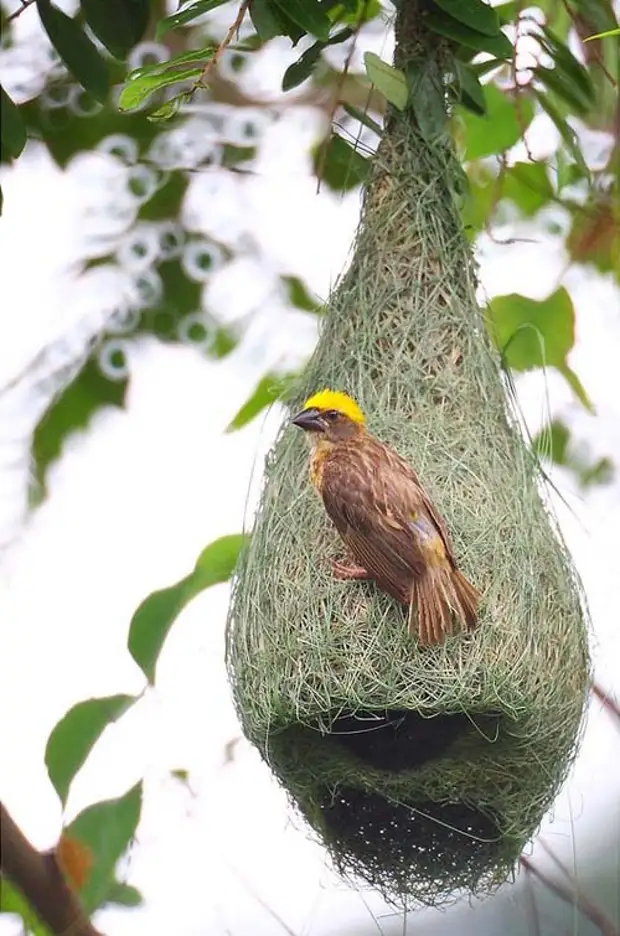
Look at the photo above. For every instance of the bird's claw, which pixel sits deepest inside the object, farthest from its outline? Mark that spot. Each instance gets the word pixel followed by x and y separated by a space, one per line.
pixel 347 572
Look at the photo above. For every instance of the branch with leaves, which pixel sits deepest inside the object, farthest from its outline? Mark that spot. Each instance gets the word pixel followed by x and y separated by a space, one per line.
pixel 40 878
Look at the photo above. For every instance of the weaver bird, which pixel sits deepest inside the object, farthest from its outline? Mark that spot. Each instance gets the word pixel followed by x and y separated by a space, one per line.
pixel 394 533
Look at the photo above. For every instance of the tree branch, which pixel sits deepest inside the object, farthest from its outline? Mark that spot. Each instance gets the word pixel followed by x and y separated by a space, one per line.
pixel 571 894
pixel 40 879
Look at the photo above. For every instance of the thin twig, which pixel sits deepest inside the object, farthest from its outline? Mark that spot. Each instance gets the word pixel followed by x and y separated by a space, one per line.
pixel 610 704
pixel 18 12
pixel 40 879
pixel 228 38
pixel 571 895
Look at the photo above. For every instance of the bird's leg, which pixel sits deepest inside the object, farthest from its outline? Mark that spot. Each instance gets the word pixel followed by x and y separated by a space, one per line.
pixel 347 571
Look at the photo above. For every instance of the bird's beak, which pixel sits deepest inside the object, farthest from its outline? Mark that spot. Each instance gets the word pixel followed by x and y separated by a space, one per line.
pixel 309 419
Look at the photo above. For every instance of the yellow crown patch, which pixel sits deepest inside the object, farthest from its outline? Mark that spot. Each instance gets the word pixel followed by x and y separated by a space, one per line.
pixel 336 400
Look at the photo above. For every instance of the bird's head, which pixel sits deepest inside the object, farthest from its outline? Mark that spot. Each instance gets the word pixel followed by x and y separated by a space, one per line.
pixel 332 415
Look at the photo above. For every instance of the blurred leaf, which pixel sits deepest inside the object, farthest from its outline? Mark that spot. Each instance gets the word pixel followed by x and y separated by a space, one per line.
pixel 180 774
pixel 531 333
pixel 153 619
pixel 170 108
pixel 473 13
pixel 554 443
pixel 561 85
pixel 481 198
pixel 304 66
pixel 472 92
pixel 186 15
pixel 13 901
pixel 76 50
pixel 309 14
pixel 75 407
pixel 340 165
pixel 528 186
pixel 296 73
pixel 574 76
pixel 354 12
pixel 298 295
pixel 123 895
pixel 443 25
pixel 138 90
pixel 107 829
pixel 270 388
pixel 500 128
pixel 73 738
pixel 118 24
pixel 566 132
pixel 390 81
pixel 13 134
pixel 595 236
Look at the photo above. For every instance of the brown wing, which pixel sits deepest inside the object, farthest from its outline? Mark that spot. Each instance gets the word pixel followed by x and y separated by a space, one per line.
pixel 378 506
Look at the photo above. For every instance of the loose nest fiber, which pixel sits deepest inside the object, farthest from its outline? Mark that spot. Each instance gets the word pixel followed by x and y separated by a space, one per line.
pixel 424 772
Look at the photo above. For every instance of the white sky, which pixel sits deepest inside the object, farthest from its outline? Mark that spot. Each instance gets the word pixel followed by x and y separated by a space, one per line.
pixel 135 499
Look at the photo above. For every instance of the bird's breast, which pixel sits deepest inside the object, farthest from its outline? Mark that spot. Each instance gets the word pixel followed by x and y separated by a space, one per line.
pixel 318 457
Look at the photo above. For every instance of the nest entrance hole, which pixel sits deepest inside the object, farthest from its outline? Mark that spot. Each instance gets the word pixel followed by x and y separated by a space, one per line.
pixel 399 739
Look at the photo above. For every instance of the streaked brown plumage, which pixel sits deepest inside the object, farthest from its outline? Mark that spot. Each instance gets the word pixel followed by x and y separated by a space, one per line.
pixel 385 518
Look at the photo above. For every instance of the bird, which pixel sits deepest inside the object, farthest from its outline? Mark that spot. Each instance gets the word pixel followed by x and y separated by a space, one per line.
pixel 390 527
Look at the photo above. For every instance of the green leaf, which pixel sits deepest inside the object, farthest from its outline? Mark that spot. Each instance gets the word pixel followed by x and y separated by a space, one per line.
pixel 186 15
pixel 138 90
pixel 303 67
pixel 427 98
pixel 604 35
pixel 566 132
pixel 340 165
pixel 309 14
pixel 554 80
pixel 473 13
pixel 170 108
pixel 269 21
pixel 298 295
pixel 73 410
pixel 531 333
pixel 107 829
pixel 554 443
pixel 270 388
pixel 118 24
pixel 443 25
pixel 528 186
pixel 390 81
pixel 13 133
pixel 501 127
pixel 576 75
pixel 472 92
pixel 195 56
pixel 73 738
pixel 153 619
pixel 76 50
pixel 123 895
pixel 364 118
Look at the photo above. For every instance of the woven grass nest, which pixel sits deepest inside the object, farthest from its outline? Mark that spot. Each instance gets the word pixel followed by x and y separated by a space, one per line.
pixel 424 772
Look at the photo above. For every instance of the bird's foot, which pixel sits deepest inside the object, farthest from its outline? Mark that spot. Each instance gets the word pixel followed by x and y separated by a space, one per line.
pixel 347 572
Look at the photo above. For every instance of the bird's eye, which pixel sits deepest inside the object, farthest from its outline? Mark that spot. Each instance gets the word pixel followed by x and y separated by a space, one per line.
pixel 332 415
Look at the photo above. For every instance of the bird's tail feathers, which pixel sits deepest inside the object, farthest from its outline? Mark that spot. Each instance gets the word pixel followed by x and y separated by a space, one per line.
pixel 437 595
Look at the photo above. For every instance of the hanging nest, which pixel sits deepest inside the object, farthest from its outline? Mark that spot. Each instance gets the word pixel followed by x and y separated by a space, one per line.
pixel 423 771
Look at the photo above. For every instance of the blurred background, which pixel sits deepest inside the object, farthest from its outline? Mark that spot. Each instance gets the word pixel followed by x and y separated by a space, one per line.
pixel 162 281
